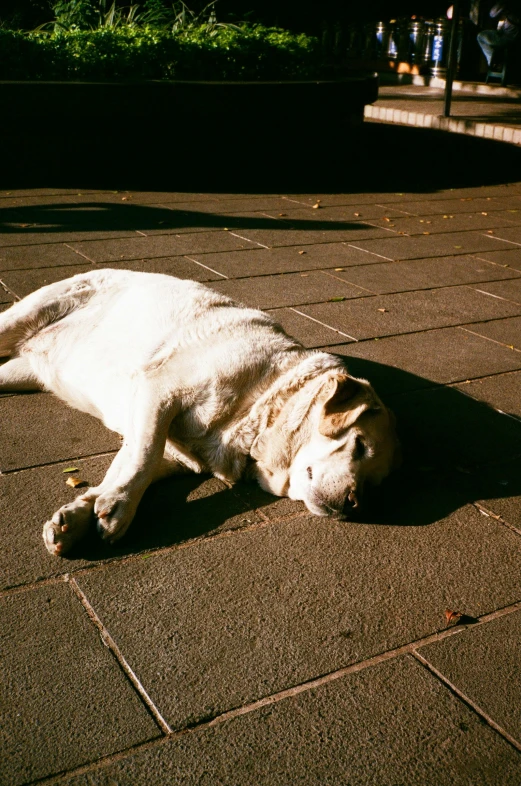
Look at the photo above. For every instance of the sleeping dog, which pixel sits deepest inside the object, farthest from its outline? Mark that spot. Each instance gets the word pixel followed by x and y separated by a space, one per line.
pixel 193 381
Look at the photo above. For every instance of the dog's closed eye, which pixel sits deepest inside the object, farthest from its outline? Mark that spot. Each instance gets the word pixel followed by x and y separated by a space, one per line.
pixel 360 449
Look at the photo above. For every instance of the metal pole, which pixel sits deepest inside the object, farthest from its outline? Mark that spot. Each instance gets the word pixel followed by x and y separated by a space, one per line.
pixel 451 64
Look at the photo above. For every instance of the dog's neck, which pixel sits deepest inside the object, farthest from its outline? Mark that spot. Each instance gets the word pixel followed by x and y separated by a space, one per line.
pixel 269 405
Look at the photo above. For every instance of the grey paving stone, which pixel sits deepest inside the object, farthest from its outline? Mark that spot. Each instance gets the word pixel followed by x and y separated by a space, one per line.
pixel 29 238
pixel 25 281
pixel 223 622
pixel 339 212
pixel 506 331
pixel 455 430
pixel 445 204
pixel 391 724
pixel 159 246
pixel 512 234
pixel 245 203
pixel 260 261
pixel 26 257
pixel 5 297
pixel 294 237
pixel 511 290
pixel 483 662
pixel 288 289
pixel 172 266
pixel 448 222
pixel 38 429
pixel 409 312
pixel 509 257
pixel 424 274
pixel 411 362
pixel 497 489
pixel 173 511
pixel 61 688
pixel 452 243
pixel 502 391
pixel 307 331
pixel 188 221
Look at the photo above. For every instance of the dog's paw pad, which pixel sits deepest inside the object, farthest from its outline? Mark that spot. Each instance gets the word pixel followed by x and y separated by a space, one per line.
pixel 68 525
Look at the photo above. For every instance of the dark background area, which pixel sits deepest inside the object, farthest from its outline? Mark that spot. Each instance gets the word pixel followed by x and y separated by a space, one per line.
pixel 298 15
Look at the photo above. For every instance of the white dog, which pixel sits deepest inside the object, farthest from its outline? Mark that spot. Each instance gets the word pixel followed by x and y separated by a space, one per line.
pixel 193 381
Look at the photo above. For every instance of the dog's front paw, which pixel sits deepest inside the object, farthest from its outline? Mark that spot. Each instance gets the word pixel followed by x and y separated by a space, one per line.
pixel 114 512
pixel 68 525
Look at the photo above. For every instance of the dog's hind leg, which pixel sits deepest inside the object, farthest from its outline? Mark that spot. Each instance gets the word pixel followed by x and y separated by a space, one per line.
pixel 17 375
pixel 43 307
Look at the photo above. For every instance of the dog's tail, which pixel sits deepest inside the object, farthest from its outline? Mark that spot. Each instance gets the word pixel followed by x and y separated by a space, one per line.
pixel 43 307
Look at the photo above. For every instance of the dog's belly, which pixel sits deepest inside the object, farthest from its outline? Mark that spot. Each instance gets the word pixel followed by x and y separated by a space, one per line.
pixel 172 333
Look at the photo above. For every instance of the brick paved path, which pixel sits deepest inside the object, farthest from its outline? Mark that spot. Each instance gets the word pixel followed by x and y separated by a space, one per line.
pixel 232 638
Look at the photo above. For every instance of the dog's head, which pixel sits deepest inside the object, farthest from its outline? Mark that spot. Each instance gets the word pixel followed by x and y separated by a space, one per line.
pixel 328 449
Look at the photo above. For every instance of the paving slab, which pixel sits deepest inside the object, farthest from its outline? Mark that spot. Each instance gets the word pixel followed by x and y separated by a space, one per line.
pixel 363 729
pixel 173 511
pixel 455 430
pixel 45 235
pixel 448 222
pixel 298 258
pixel 224 622
pixel 159 246
pixel 288 289
pixel 5 297
pixel 60 688
pixel 447 204
pixel 361 212
pixel 512 234
pixel 417 247
pixel 22 282
pixel 23 258
pixel 509 257
pixel 309 332
pixel 181 267
pixel 409 312
pixel 404 276
pixel 510 290
pixel 410 362
pixel 497 489
pixel 502 391
pixel 328 234
pixel 483 662
pixel 504 331
pixel 39 429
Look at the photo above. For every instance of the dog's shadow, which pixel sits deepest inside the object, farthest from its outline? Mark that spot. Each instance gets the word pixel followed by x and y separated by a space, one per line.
pixel 457 450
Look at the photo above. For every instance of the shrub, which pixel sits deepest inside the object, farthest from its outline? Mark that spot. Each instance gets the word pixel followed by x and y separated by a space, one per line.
pixel 132 52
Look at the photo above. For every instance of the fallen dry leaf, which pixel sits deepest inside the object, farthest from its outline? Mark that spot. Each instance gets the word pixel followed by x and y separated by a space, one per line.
pixel 382 310
pixel 453 617
pixel 304 275
pixel 425 233
pixel 282 214
pixel 484 214
pixel 336 299
pixel 445 216
pixel 385 218
pixel 70 469
pixel 457 246
pixel 357 214
pixel 338 269
pixel 302 252
pixel 490 231
pixel 316 205
pixel 74 482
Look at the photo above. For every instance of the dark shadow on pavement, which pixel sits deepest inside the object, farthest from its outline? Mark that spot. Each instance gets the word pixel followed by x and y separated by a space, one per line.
pixel 315 157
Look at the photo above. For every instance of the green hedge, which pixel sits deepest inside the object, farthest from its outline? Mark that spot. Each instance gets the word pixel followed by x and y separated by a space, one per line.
pixel 129 52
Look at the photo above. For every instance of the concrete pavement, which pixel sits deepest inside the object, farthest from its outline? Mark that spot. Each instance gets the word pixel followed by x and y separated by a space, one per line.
pixel 232 638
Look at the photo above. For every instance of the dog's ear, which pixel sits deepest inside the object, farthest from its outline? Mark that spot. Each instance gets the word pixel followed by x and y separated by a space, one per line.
pixel 345 402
